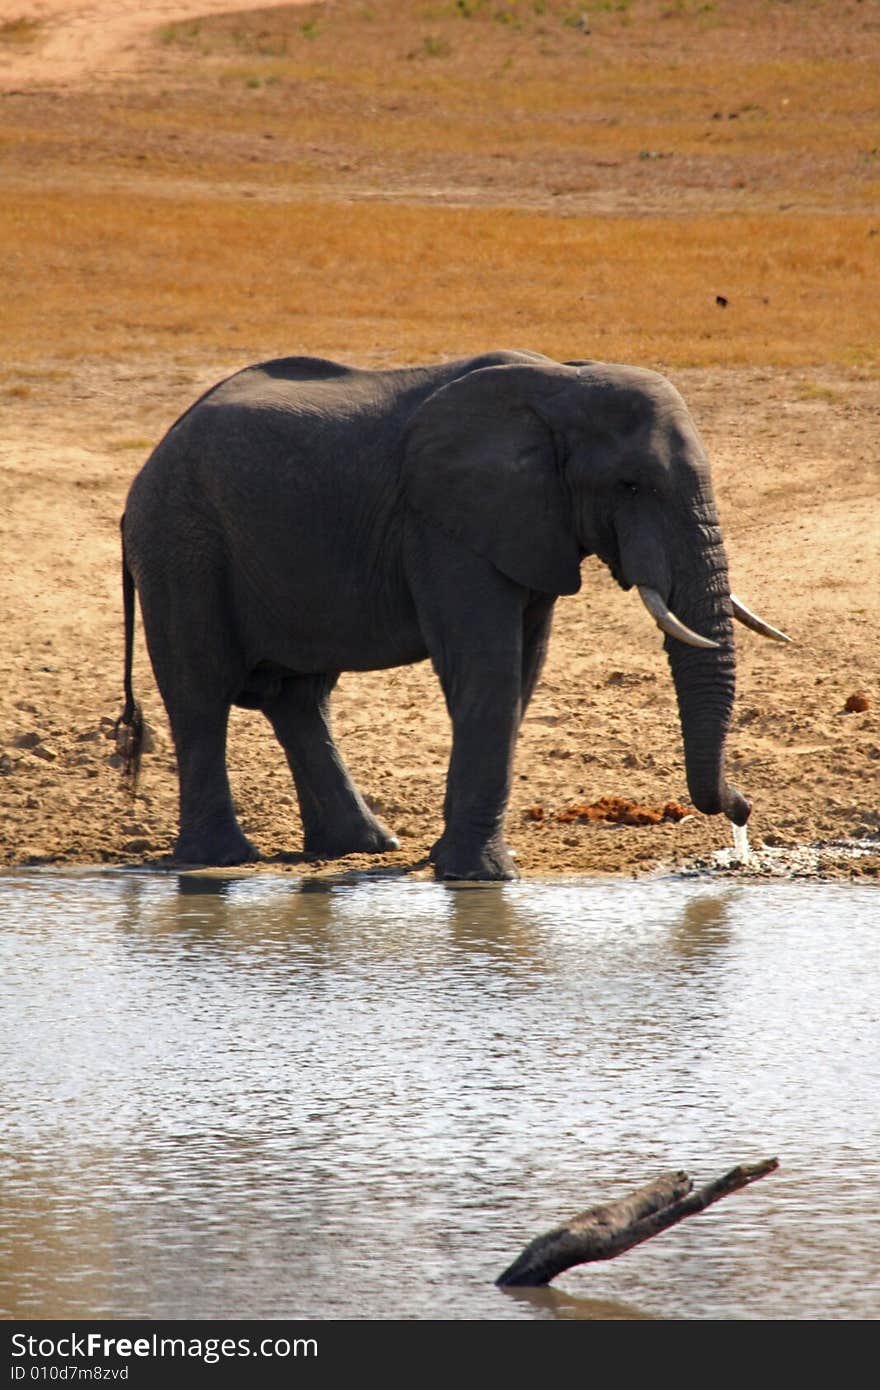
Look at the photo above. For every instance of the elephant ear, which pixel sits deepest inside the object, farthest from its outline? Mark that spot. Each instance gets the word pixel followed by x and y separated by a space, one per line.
pixel 481 462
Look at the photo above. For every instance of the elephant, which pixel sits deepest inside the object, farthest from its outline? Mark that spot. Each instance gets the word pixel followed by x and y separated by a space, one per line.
pixel 304 518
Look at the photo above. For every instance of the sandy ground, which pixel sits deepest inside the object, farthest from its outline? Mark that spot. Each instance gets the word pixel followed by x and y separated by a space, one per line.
pixel 795 458
pixel 88 39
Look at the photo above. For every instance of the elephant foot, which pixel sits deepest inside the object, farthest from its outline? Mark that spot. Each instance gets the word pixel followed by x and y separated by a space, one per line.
pixel 365 836
pixel 485 863
pixel 218 850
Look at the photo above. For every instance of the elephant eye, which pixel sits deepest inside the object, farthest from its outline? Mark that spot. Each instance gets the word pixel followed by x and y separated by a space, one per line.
pixel 631 488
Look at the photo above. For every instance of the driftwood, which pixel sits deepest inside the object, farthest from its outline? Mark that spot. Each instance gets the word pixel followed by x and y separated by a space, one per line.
pixel 610 1229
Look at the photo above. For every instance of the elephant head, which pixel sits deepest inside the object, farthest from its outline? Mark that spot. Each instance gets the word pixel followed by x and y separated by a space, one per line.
pixel 536 465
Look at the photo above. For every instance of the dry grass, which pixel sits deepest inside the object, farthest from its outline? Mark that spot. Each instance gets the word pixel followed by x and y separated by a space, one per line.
pixel 98 276
pixel 22 30
pixel 393 180
pixel 743 104
pixel 751 94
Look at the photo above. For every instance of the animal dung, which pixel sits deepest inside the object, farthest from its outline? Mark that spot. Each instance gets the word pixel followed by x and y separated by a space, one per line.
pixel 612 810
pixel 857 703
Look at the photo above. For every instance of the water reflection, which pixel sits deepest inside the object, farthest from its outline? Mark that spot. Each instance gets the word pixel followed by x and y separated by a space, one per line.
pixel 267 1097
pixel 203 886
pixel 489 920
pixel 703 927
pixel 553 1303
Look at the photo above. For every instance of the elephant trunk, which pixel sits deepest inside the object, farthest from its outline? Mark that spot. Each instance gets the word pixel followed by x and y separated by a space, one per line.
pixel 705 682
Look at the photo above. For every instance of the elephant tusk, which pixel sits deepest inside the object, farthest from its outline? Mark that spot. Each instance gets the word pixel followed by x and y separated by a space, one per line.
pixel 755 623
pixel 667 620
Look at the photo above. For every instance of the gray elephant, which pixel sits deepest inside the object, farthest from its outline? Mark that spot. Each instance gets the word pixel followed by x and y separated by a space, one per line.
pixel 305 518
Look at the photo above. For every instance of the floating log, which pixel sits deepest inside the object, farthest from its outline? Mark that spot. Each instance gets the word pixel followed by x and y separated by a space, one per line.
pixel 608 1230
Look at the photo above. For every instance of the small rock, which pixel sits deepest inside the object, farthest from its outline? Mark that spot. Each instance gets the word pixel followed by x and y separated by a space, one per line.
pixel 45 751
pixel 28 740
pixel 857 703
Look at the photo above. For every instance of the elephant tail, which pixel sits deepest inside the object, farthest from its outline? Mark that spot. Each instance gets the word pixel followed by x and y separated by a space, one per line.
pixel 129 726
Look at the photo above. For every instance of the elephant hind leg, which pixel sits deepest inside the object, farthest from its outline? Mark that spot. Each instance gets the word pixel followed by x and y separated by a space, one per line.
pixel 195 661
pixel 209 830
pixel 336 819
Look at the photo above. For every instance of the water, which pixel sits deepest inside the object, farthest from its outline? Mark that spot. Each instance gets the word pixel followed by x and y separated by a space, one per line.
pixel 268 1098
pixel 741 849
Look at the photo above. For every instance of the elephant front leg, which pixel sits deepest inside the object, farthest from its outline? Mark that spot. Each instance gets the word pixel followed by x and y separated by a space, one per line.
pixel 537 622
pixel 471 618
pixel 485 724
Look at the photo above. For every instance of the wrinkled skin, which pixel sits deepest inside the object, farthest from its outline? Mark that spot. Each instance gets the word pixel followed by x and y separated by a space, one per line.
pixel 304 519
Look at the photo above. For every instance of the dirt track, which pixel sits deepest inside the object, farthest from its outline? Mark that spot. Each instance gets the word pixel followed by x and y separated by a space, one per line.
pixel 795 458
pixel 94 38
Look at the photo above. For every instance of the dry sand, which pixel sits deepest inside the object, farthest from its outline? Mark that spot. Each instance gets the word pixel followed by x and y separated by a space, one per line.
pixel 796 470
pixel 88 39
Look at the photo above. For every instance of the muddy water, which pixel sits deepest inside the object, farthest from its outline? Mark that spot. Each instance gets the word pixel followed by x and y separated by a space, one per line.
pixel 268 1098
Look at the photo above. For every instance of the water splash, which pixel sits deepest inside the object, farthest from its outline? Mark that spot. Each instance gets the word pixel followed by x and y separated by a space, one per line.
pixel 741 844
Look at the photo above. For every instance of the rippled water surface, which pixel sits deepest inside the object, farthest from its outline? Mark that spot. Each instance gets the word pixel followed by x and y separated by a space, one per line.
pixel 268 1098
